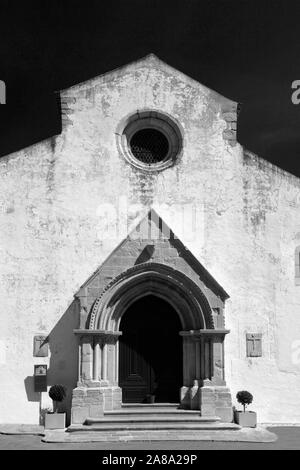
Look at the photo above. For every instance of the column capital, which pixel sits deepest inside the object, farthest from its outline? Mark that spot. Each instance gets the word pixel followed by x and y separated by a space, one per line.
pixel 205 333
pixel 103 336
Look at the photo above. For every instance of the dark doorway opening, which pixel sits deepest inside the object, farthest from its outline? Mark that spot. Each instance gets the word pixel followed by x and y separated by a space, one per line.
pixel 150 354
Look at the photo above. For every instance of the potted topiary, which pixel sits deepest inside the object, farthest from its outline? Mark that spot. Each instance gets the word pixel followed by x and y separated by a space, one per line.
pixel 56 419
pixel 246 419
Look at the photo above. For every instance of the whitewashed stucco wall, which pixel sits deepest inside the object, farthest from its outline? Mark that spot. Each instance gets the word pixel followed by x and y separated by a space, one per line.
pixel 54 198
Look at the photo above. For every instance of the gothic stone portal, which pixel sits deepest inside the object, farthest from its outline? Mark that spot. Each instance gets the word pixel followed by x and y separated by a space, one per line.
pixel 170 294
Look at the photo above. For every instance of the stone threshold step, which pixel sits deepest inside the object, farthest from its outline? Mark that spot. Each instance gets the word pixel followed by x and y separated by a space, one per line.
pixel 152 426
pixel 150 419
pixel 259 434
pixel 151 405
pixel 160 411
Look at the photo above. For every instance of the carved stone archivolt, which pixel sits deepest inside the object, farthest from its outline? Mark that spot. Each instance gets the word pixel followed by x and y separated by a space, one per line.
pixel 185 296
pixel 203 339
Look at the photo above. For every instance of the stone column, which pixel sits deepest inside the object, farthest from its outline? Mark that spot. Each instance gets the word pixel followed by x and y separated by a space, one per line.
pixel 197 365
pixel 215 397
pixel 204 384
pixel 86 359
pixel 97 388
pixel 96 360
pixel 188 370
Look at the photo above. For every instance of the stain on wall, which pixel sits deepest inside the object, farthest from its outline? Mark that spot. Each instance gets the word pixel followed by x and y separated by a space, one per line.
pixel 60 198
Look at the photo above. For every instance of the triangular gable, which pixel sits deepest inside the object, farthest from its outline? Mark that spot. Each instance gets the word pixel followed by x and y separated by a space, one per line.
pixel 152 240
pixel 151 61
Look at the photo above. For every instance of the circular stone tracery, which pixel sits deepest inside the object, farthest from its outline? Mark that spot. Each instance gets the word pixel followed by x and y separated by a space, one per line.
pixel 149 146
pixel 150 141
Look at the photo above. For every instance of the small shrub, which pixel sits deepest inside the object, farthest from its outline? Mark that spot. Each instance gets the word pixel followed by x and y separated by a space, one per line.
pixel 57 393
pixel 244 397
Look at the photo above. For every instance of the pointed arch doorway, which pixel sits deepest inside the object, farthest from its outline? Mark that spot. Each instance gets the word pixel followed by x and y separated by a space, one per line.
pixel 150 352
pixel 198 305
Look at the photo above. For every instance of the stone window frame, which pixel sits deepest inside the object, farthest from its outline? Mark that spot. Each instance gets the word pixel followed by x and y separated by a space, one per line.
pixel 297 265
pixel 150 119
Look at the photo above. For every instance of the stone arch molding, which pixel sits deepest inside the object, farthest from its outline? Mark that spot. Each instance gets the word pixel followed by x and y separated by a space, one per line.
pixel 297 265
pixel 182 293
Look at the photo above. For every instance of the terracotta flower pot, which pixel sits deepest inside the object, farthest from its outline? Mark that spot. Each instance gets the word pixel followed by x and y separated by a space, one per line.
pixel 246 419
pixel 55 420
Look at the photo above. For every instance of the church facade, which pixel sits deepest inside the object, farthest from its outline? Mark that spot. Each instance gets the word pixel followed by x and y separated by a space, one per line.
pixel 146 255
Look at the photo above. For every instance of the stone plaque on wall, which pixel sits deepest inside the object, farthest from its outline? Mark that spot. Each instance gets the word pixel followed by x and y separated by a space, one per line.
pixel 40 378
pixel 254 344
pixel 40 346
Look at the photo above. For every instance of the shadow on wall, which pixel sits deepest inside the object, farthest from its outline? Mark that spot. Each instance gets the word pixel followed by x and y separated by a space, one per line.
pixel 34 396
pixel 63 367
pixel 29 387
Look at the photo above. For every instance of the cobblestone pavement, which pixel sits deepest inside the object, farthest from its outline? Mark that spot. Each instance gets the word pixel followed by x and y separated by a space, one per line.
pixel 288 438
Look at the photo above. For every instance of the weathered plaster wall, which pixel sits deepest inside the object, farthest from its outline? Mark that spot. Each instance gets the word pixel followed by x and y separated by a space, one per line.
pixel 60 198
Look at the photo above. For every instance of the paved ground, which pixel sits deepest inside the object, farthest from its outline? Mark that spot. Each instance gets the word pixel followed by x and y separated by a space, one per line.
pixel 288 438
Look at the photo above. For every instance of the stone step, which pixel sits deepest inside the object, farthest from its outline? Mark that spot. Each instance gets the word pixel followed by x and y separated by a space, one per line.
pixel 151 418
pixel 147 414
pixel 236 435
pixel 152 426
pixel 150 411
pixel 150 405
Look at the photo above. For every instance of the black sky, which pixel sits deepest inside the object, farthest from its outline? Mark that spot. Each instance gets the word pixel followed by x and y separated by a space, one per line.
pixel 247 50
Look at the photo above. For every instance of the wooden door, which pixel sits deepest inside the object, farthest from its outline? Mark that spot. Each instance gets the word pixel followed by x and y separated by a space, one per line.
pixel 135 369
pixel 150 360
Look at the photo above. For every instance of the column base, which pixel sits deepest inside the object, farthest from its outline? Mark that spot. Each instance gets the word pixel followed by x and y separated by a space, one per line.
pixel 211 400
pixel 92 402
pixel 185 397
pixel 216 401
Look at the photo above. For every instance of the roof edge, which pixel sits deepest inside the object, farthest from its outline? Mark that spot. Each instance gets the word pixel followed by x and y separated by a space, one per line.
pixel 271 166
